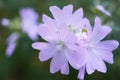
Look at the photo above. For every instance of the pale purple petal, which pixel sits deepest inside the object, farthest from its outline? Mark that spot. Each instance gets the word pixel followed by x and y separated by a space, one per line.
pixel 11 44
pixel 78 14
pixel 94 63
pixel 64 66
pixel 89 66
pixel 62 15
pixel 65 35
pixel 104 54
pixel 40 45
pixel 28 14
pixel 67 14
pixel 59 62
pixel 47 53
pixel 75 57
pixel 29 22
pixel 49 33
pixel 10 49
pixel 99 32
pixel 47 20
pixel 77 19
pixel 12 38
pixel 98 63
pixel 109 45
pixel 81 73
pixel 56 12
pixel 103 10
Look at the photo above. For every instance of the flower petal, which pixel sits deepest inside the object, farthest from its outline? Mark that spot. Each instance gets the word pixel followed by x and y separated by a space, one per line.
pixel 47 19
pixel 56 12
pixel 48 32
pixel 78 14
pixel 65 35
pixel 75 57
pixel 104 54
pixel 62 15
pixel 10 49
pixel 59 62
pixel 77 20
pixel 67 14
pixel 99 32
pixel 47 53
pixel 109 45
pixel 40 45
pixel 94 62
pixel 81 73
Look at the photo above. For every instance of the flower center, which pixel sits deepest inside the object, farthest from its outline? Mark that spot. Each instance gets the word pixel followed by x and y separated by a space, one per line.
pixel 82 34
pixel 60 46
pixel 72 28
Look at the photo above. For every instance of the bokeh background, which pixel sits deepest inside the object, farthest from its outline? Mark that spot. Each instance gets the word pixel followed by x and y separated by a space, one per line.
pixel 24 63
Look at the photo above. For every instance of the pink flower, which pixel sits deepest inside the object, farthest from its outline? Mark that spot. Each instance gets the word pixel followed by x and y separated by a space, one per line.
pixel 95 50
pixel 29 22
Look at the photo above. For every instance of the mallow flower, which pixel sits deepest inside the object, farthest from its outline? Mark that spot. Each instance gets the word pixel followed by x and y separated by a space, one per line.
pixel 11 44
pixel 96 49
pixel 60 46
pixel 29 24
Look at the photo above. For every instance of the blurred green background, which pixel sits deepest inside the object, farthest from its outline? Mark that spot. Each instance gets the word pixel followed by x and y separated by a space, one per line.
pixel 24 63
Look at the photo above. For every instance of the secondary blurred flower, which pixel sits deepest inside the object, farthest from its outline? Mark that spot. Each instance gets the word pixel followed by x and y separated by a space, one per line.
pixel 60 46
pixel 11 44
pixel 103 10
pixel 29 22
pixel 97 51
pixel 5 22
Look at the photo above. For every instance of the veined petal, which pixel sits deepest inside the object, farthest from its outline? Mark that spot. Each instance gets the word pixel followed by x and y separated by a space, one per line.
pixel 78 14
pixel 75 58
pixel 77 19
pixel 109 45
pixel 67 14
pixel 65 35
pixel 64 66
pixel 59 62
pixel 99 31
pixel 104 54
pixel 99 65
pixel 94 63
pixel 40 45
pixel 48 32
pixel 56 12
pixel 81 73
pixel 46 19
pixel 89 67
pixel 47 53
